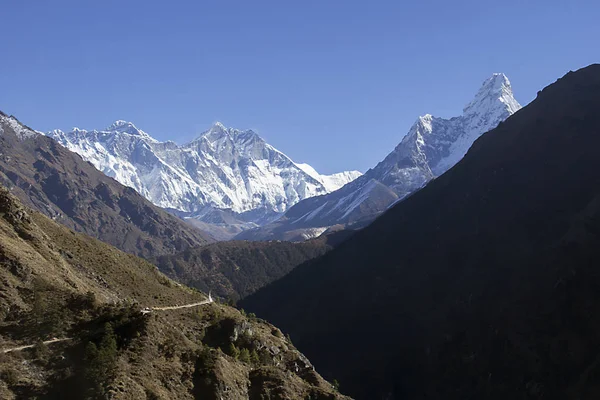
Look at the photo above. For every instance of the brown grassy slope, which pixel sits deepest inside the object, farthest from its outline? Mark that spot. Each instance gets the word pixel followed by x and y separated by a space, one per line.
pixel 58 283
pixel 61 185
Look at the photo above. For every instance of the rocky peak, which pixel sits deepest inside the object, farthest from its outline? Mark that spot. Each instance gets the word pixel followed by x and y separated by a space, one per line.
pixel 495 95
pixel 121 126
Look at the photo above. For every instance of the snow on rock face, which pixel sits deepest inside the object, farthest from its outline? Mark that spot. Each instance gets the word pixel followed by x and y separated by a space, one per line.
pixel 20 130
pixel 223 168
pixel 433 145
pixel 331 182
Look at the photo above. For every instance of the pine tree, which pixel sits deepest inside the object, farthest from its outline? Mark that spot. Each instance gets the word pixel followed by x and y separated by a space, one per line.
pixel 234 351
pixel 244 355
pixel 254 358
pixel 101 362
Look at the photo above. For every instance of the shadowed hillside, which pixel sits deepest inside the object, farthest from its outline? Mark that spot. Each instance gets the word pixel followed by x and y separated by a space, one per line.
pixel 482 285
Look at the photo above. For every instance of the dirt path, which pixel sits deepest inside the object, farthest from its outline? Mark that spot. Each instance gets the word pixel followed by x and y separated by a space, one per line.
pixel 19 348
pixel 144 311
pixel 177 307
pixel 183 306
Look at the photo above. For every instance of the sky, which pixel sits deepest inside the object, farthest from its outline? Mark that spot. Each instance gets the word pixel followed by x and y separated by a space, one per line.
pixel 336 84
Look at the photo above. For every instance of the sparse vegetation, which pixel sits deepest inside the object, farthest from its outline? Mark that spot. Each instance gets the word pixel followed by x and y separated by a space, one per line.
pixel 74 286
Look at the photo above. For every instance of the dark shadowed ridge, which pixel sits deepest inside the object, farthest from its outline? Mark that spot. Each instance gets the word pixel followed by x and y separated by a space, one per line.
pixel 58 183
pixel 483 285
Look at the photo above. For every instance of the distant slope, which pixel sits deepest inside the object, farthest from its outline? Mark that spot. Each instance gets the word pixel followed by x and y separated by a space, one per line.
pixel 355 204
pixel 236 269
pixel 57 182
pixel 430 148
pixel 482 285
pixel 58 283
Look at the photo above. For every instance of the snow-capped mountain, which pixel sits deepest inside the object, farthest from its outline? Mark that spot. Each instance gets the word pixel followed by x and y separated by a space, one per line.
pixel 222 169
pixel 431 147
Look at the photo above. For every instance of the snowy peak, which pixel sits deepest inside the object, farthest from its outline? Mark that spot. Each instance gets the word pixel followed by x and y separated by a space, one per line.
pixel 218 132
pixel 218 125
pixel 433 145
pixel 216 129
pixel 495 94
pixel 121 126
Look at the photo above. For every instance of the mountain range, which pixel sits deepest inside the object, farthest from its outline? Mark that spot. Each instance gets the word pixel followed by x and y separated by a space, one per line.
pixel 431 147
pixel 226 180
pixel 484 284
pixel 231 183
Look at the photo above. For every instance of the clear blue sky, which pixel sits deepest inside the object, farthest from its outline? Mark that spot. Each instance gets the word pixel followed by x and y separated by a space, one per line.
pixel 336 84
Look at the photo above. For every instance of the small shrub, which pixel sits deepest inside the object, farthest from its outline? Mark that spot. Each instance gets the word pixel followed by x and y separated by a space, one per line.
pixel 265 357
pixel 41 352
pixel 336 385
pixel 10 376
pixel 90 299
